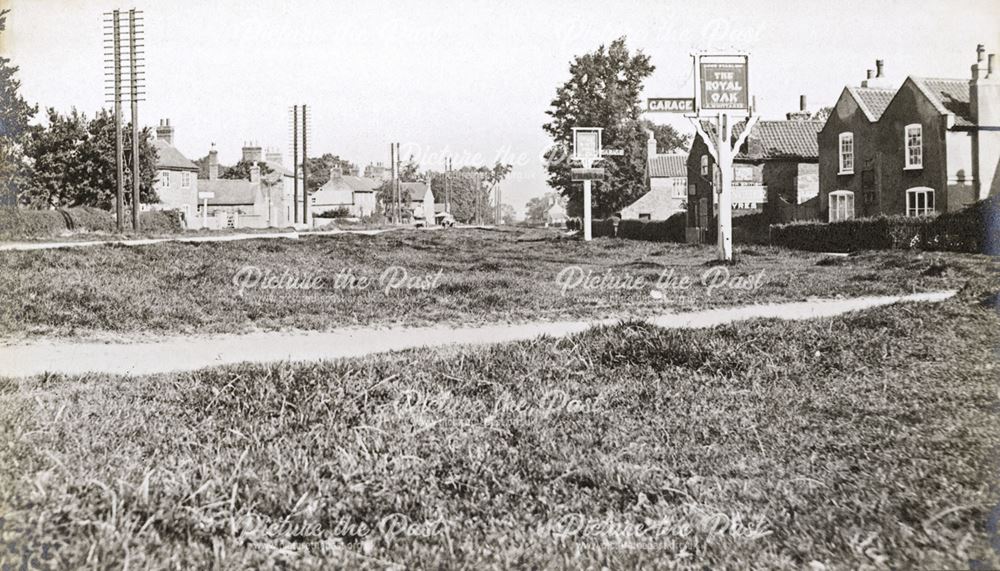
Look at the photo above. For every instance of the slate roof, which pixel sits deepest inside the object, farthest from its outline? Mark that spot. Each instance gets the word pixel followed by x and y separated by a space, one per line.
pixel 169 158
pixel 655 200
pixel 948 96
pixel 352 183
pixel 668 166
pixel 872 101
pixel 776 140
pixel 417 190
pixel 229 192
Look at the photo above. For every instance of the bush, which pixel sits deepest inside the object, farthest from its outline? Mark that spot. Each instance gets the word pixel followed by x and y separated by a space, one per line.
pixel 604 227
pixel 90 219
pixel 339 212
pixel 669 230
pixel 16 223
pixel 971 230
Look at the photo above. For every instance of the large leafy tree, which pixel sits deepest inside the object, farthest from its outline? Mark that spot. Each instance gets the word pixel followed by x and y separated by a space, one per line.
pixel 241 170
pixel 15 113
pixel 603 91
pixel 538 207
pixel 73 162
pixel 318 169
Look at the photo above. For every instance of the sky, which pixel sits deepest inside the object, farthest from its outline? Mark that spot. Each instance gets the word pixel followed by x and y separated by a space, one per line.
pixel 468 79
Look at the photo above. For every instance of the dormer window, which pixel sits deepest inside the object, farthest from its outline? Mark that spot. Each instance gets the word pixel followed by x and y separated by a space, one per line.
pixel 914 145
pixel 846 153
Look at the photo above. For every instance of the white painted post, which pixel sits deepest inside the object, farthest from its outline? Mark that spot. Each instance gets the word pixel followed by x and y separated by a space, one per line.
pixel 725 151
pixel 587 232
pixel 204 214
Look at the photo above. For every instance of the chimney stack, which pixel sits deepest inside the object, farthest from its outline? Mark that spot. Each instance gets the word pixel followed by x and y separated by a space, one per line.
pixel 255 173
pixel 252 152
pixel 650 144
pixel 336 172
pixel 213 163
pixel 984 103
pixel 802 102
pixel 165 132
pixel 273 156
pixel 879 68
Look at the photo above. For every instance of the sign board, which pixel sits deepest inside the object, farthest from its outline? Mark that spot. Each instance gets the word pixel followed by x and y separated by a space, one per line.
pixel 723 85
pixel 670 105
pixel 586 143
pixel 612 152
pixel 203 195
pixel 588 174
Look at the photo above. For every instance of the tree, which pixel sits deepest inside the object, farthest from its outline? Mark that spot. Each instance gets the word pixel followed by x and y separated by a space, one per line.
pixel 72 162
pixel 507 214
pixel 318 169
pixel 15 113
pixel 822 115
pixel 668 140
pixel 603 91
pixel 241 170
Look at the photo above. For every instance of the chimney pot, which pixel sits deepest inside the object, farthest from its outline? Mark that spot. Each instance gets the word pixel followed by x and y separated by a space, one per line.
pixel 879 65
pixel 989 65
pixel 802 102
pixel 980 50
pixel 871 74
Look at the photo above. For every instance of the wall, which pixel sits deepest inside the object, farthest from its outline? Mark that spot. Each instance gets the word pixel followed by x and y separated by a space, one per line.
pixel 848 117
pixel 175 196
pixel 961 184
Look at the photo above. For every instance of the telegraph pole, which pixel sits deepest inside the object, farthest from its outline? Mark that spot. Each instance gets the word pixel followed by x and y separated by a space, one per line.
pixel 134 88
pixel 116 61
pixel 305 169
pixel 399 188
pixel 295 163
pixel 447 185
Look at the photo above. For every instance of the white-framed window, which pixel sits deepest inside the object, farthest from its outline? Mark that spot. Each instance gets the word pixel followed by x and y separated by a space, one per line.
pixel 704 165
pixel 914 144
pixel 919 201
pixel 846 153
pixel 165 179
pixel 841 205
pixel 185 179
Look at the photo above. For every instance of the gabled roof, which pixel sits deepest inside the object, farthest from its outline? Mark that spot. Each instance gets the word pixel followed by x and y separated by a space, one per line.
pixel 949 96
pixel 871 100
pixel 279 168
pixel 169 158
pixel 654 200
pixel 352 183
pixel 229 192
pixel 668 166
pixel 776 140
pixel 417 190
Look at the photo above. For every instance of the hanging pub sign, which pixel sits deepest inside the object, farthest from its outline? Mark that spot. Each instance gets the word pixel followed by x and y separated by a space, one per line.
pixel 723 83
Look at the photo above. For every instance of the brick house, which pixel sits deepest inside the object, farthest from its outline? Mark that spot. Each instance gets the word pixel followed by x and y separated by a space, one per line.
pixel 666 179
pixel 934 148
pixel 356 194
pixel 176 176
pixel 774 173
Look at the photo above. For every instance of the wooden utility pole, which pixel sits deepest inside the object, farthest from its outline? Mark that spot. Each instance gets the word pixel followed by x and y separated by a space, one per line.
pixel 295 163
pixel 119 150
pixel 399 187
pixel 134 92
pixel 447 185
pixel 305 167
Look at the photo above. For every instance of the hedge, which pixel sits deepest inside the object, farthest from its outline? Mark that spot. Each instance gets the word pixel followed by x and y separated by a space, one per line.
pixel 972 230
pixel 21 223
pixel 669 230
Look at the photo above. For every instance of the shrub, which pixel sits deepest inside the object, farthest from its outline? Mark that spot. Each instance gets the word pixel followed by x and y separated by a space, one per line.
pixel 90 219
pixel 669 230
pixel 16 223
pixel 339 212
pixel 604 227
pixel 971 230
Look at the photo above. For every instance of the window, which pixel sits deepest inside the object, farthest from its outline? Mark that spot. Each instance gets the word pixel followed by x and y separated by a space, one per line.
pixel 846 153
pixel 692 189
pixel 645 216
pixel 920 201
pixel 185 179
pixel 704 165
pixel 914 140
pixel 165 179
pixel 841 205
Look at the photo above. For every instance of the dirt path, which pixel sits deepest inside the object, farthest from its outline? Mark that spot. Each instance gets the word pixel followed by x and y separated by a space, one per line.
pixel 189 353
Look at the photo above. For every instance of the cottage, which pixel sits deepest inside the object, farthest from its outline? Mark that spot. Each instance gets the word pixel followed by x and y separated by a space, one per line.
pixel 353 193
pixel 774 173
pixel 934 148
pixel 417 198
pixel 279 178
pixel 176 176
pixel 239 203
pixel 666 179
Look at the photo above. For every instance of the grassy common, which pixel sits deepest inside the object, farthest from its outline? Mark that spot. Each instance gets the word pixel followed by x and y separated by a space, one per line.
pixel 864 441
pixel 470 276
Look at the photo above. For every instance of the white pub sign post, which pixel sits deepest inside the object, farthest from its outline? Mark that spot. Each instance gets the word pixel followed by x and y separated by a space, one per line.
pixel 587 150
pixel 721 96
pixel 722 93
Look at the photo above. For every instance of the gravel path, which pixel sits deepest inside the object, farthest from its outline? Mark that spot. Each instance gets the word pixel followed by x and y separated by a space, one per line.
pixel 194 352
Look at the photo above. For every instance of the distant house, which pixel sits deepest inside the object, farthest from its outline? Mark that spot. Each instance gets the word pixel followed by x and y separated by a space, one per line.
pixel 239 203
pixel 378 172
pixel 556 214
pixel 774 173
pixel 418 199
pixel 666 179
pixel 354 193
pixel 176 176
pixel 934 148
pixel 280 176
